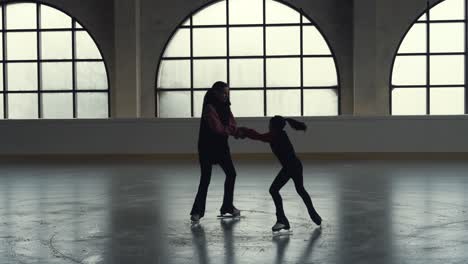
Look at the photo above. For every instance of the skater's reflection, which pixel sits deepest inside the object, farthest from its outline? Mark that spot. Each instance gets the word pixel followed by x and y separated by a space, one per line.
pixel 137 238
pixel 281 242
pixel 310 245
pixel 199 241
pixel 228 227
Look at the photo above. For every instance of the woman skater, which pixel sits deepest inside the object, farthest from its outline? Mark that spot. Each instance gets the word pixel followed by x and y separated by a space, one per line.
pixel 216 125
pixel 292 167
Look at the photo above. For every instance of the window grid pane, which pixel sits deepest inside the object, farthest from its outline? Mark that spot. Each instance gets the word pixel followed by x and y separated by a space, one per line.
pixel 447 37
pixel 283 102
pixel 246 41
pixel 245 12
pixel 86 47
pixel 415 40
pixel 440 97
pixel 21 46
pixel 447 70
pixel 179 46
pixel 174 74
pixel 437 75
pixel 57 76
pixel 283 40
pixel 2 115
pixel 22 76
pixel 209 42
pixel 91 76
pixel 21 16
pixel 448 10
pixel 52 18
pixel 197 56
pixel 323 102
pixel 57 105
pixel 171 102
pixel 409 101
pixel 206 72
pixel 409 70
pixel 45 89
pixel 247 103
pixel 56 45
pixel 92 105
pixel 214 14
pixel 283 72
pixel 23 106
pixel 246 73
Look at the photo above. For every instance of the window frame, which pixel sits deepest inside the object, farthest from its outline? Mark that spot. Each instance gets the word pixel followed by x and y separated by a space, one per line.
pixel 428 55
pixel 264 57
pixel 73 60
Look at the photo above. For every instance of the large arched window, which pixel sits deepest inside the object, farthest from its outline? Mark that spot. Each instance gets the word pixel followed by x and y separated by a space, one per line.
pixel 274 58
pixel 50 66
pixel 429 71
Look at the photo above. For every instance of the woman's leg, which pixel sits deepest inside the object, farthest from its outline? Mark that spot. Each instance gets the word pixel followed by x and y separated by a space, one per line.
pixel 278 183
pixel 228 168
pixel 200 199
pixel 298 178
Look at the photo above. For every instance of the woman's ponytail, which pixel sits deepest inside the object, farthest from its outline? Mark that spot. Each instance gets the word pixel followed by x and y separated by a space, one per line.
pixel 297 125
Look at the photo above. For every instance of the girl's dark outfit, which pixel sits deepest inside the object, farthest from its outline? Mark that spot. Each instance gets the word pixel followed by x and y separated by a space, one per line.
pixel 292 169
pixel 216 124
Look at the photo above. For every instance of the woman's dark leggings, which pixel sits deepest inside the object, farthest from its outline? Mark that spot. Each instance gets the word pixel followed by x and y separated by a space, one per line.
pixel 294 172
pixel 206 167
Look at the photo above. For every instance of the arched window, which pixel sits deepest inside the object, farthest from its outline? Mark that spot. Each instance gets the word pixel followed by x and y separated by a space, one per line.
pixel 50 66
pixel 274 58
pixel 429 70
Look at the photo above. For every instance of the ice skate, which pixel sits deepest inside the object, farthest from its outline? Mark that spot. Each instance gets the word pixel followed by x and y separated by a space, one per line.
pixel 281 229
pixel 195 219
pixel 235 213
pixel 316 219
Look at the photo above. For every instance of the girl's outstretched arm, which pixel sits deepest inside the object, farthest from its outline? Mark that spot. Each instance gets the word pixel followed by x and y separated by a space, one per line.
pixel 252 134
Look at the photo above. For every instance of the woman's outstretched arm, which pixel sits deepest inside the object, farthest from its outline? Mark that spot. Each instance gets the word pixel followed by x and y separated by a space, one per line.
pixel 214 122
pixel 233 126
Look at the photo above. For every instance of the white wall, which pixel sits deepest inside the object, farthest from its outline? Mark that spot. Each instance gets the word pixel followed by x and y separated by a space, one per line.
pixel 179 136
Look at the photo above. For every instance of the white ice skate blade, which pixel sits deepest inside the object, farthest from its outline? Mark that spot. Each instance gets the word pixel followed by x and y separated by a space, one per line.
pixel 194 223
pixel 229 216
pixel 282 232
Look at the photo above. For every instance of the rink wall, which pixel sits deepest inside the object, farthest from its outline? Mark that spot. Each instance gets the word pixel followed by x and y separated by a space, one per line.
pixel 179 136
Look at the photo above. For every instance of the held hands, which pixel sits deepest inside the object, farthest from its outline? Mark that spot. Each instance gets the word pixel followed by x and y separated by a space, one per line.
pixel 240 133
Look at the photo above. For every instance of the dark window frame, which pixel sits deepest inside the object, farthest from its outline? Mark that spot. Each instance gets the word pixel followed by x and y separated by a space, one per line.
pixel 264 57
pixel 39 92
pixel 428 54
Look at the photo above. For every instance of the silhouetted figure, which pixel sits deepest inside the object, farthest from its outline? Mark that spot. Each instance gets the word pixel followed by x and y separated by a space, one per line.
pixel 292 167
pixel 216 125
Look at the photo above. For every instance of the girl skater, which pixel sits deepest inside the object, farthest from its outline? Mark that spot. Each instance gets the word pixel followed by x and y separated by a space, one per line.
pixel 292 167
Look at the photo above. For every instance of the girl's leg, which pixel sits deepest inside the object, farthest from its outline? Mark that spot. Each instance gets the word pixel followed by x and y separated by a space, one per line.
pixel 200 199
pixel 228 168
pixel 298 179
pixel 278 183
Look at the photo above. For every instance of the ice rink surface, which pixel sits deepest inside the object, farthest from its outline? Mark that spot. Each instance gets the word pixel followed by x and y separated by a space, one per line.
pixel 138 212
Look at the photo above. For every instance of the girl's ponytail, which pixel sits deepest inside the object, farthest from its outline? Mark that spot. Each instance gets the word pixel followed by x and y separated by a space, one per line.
pixel 297 125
